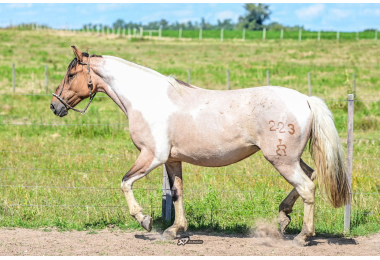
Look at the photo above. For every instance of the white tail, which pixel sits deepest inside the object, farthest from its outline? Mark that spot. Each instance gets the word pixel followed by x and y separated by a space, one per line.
pixel 327 153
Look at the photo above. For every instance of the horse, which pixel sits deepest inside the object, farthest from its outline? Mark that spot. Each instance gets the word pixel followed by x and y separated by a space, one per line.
pixel 171 122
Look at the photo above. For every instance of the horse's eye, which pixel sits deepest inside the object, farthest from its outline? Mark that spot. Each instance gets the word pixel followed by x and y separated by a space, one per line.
pixel 71 76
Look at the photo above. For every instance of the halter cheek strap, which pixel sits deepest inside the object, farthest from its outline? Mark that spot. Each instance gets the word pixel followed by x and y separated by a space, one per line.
pixel 90 87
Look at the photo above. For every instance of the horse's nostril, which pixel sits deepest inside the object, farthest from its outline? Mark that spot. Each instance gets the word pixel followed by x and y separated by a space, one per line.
pixel 52 107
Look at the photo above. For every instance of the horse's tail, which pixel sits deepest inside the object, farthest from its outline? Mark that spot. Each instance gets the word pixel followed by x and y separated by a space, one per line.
pixel 327 153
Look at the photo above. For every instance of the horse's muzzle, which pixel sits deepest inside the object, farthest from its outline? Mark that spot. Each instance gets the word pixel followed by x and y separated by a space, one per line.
pixel 58 109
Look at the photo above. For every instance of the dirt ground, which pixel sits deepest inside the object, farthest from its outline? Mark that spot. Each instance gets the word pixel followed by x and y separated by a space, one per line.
pixel 15 242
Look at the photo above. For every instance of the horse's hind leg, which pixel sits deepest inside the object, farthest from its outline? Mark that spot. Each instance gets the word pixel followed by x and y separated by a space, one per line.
pixel 174 170
pixel 286 205
pixel 304 186
pixel 145 163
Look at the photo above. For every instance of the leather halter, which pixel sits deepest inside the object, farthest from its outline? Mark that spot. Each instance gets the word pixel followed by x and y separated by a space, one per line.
pixel 90 87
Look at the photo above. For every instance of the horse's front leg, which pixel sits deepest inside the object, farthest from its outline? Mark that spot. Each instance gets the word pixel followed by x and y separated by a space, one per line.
pixel 145 163
pixel 174 170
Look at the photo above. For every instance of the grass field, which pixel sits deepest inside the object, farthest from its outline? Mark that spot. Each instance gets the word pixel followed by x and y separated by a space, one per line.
pixel 68 176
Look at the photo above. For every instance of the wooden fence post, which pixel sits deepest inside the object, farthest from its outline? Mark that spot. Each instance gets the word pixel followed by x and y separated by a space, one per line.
pixel 350 139
pixel 166 197
pixel 46 78
pixel 309 82
pixel 14 77
pixel 228 80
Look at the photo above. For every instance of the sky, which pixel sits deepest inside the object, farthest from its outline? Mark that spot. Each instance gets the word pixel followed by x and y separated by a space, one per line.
pixel 313 16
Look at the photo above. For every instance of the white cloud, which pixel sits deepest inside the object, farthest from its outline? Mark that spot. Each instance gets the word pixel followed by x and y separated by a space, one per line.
pixel 337 14
pixel 311 12
pixel 19 6
pixel 226 15
pixel 107 7
pixel 372 12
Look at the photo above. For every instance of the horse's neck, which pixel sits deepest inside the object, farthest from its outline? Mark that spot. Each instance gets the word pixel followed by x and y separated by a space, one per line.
pixel 132 86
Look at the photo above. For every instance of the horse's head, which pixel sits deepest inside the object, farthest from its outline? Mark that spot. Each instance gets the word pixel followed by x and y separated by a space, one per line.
pixel 75 86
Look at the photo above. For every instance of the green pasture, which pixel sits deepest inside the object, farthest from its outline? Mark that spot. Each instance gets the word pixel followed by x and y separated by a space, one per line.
pixel 66 172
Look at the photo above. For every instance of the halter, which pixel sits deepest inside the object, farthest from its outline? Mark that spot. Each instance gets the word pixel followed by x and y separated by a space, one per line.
pixel 90 87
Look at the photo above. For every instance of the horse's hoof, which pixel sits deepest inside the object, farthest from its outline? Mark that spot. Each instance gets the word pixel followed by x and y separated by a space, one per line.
pixel 299 242
pixel 284 221
pixel 147 223
pixel 169 235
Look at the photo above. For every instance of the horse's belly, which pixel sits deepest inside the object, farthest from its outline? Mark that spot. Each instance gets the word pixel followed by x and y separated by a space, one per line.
pixel 212 156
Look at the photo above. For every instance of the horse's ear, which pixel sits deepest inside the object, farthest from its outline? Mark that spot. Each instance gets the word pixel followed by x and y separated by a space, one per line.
pixel 77 53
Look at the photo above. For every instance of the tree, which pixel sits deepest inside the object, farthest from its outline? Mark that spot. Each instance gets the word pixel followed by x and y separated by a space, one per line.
pixel 119 24
pixel 255 17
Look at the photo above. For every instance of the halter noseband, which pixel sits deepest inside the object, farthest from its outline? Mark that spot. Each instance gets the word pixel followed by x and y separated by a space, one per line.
pixel 90 87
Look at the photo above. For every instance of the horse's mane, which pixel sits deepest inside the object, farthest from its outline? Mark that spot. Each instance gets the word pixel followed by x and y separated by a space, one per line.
pixel 178 84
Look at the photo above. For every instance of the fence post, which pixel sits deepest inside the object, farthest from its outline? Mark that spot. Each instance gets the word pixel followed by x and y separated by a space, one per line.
pixel 46 78
pixel 14 77
pixel 189 76
pixel 166 197
pixel 309 81
pixel 228 79
pixel 350 137
pixel 300 35
pixel 268 80
pixel 264 33
pixel 244 35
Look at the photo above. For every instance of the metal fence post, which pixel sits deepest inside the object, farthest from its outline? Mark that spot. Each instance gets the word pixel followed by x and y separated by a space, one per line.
pixel 350 137
pixel 14 77
pixel 166 197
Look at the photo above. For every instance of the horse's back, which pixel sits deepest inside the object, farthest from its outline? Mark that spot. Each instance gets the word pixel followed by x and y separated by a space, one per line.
pixel 215 128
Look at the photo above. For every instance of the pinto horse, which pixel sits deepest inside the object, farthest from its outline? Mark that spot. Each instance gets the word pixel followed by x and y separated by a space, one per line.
pixel 171 122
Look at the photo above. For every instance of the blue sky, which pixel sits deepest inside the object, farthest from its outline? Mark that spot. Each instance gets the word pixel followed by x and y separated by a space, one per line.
pixel 314 16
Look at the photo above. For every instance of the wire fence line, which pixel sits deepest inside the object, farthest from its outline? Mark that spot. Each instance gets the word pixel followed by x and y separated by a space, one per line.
pixel 123 172
pixel 151 189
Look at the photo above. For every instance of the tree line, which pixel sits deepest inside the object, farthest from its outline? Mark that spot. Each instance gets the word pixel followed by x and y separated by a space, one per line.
pixel 253 19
